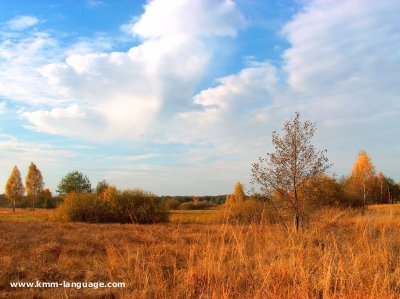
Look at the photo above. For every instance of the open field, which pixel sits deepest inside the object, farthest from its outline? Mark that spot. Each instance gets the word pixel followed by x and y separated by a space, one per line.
pixel 25 215
pixel 43 215
pixel 192 216
pixel 345 254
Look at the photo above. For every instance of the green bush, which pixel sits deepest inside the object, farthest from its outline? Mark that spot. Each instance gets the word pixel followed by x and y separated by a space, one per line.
pixel 137 206
pixel 201 205
pixel 170 204
pixel 129 206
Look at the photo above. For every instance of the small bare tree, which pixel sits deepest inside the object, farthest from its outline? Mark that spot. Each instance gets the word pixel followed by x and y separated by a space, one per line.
pixel 294 162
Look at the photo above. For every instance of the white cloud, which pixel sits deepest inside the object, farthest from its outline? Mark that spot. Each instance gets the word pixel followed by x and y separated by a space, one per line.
pixel 21 56
pixel 95 3
pixel 3 107
pixel 120 94
pixel 134 157
pixel 87 46
pixel 189 18
pixel 227 112
pixel 345 54
pixel 343 67
pixel 22 22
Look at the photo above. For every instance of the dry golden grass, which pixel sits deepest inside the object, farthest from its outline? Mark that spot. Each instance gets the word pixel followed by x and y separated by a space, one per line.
pixel 25 215
pixel 344 254
pixel 192 216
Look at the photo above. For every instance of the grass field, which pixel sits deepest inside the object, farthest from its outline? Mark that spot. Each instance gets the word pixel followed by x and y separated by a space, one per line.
pixel 343 254
pixel 43 215
pixel 25 215
pixel 192 216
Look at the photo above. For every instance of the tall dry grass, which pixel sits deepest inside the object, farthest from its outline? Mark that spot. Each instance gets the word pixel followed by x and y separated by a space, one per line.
pixel 341 254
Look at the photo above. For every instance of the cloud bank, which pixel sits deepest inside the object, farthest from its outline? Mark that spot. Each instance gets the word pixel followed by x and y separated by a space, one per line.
pixel 121 94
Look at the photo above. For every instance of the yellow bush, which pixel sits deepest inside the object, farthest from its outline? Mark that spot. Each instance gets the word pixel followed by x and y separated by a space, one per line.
pixel 129 206
pixel 249 211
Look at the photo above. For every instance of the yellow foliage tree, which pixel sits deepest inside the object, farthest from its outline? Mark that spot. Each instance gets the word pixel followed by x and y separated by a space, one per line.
pixel 45 196
pixel 237 195
pixel 33 183
pixel 363 174
pixel 14 187
pixel 109 193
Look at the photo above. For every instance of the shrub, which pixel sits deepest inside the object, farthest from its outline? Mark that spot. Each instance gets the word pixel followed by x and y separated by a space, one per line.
pixel 170 204
pixel 129 206
pixel 137 206
pixel 249 211
pixel 201 205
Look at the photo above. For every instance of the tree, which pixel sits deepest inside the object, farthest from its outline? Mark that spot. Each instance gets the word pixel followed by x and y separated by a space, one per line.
pixel 237 195
pixel 46 200
pixel 321 191
pixel 33 183
pixel 392 189
pixel 14 187
pixel 293 163
pixel 101 186
pixel 74 181
pixel 363 174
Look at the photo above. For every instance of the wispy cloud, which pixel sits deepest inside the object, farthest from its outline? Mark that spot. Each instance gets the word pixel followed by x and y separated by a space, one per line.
pixel 3 107
pixel 48 157
pixel 22 22
pixel 133 157
pixel 95 3
pixel 21 57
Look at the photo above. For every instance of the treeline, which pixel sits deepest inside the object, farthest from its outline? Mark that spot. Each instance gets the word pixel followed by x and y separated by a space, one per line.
pixel 192 202
pixel 33 194
pixel 361 188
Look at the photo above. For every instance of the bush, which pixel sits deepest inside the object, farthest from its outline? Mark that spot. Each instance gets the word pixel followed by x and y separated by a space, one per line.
pixel 137 206
pixel 170 204
pixel 249 211
pixel 201 205
pixel 129 206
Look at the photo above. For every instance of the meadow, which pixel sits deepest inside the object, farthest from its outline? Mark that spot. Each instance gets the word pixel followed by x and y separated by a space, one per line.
pixel 340 254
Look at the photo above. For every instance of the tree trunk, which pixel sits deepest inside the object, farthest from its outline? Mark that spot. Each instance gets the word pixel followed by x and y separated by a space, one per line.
pixel 390 199
pixel 14 206
pixel 33 203
pixel 297 214
pixel 364 195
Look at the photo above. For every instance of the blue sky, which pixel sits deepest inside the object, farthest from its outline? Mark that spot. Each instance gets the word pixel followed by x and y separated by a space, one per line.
pixel 180 97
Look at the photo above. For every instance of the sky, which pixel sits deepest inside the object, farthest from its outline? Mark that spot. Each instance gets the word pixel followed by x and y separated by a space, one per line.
pixel 181 97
